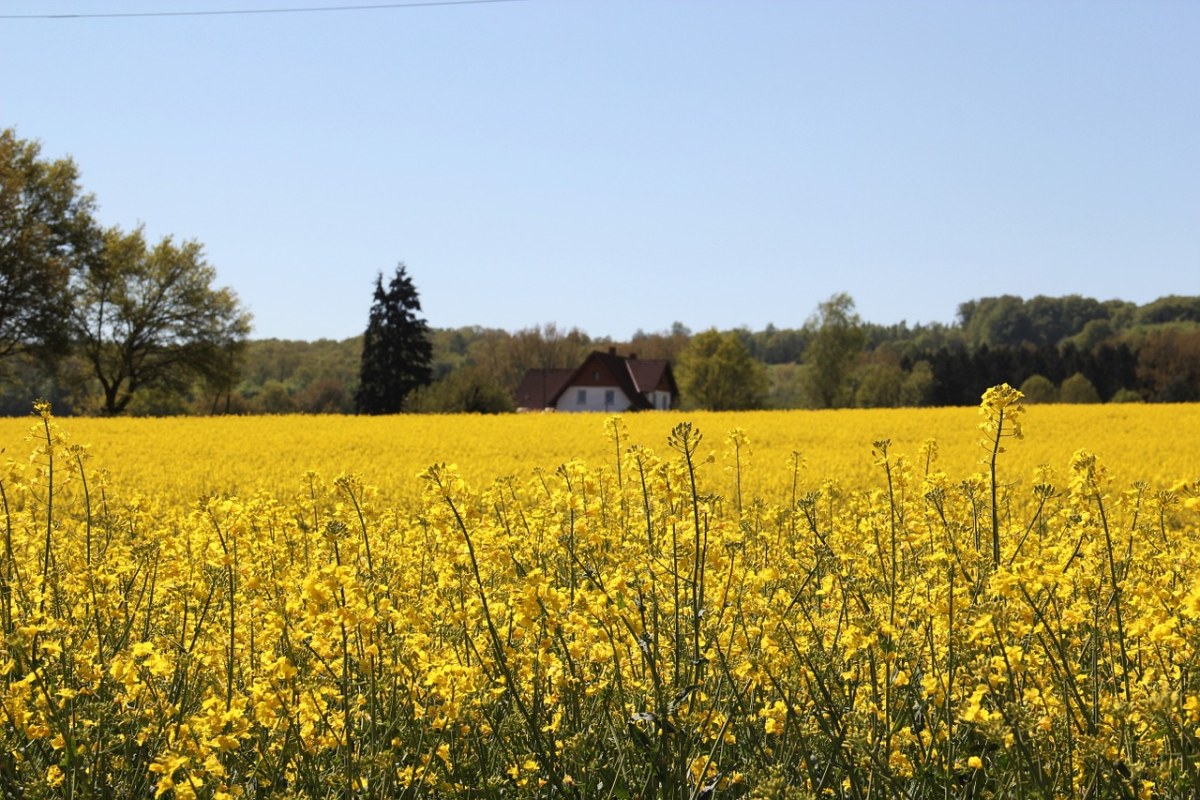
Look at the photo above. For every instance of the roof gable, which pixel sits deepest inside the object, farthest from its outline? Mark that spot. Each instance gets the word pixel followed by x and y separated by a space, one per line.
pixel 614 366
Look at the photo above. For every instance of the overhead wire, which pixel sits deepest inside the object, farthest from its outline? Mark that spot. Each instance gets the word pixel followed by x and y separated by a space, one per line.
pixel 246 11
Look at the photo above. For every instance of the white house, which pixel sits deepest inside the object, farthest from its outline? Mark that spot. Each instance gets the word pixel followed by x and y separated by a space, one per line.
pixel 603 382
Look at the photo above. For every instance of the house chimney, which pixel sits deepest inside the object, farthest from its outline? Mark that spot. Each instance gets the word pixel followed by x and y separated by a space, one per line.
pixel 633 356
pixel 612 351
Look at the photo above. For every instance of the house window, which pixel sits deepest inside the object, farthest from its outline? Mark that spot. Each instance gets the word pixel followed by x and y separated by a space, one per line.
pixel 596 375
pixel 581 397
pixel 610 397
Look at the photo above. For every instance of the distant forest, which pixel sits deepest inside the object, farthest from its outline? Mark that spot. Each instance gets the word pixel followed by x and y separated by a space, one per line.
pixel 1056 349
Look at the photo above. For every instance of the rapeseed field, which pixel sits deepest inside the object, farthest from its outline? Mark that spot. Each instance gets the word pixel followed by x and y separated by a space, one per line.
pixel 184 458
pixel 994 602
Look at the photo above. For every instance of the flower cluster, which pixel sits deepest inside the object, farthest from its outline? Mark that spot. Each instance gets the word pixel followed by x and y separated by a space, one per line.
pixel 687 620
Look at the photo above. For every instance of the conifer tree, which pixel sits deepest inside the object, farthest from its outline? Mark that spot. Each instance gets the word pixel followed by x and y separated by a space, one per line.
pixel 397 352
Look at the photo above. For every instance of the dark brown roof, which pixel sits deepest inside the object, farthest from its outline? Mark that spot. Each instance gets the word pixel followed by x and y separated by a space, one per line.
pixel 540 388
pixel 651 374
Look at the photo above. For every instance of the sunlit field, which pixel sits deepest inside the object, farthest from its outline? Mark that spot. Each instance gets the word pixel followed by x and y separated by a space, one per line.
pixel 851 604
pixel 184 458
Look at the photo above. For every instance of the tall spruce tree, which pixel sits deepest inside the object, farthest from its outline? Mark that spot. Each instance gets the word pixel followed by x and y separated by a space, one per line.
pixel 397 352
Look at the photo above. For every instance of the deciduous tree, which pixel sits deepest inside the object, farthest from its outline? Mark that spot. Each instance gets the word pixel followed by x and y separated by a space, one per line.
pixel 1039 389
pixel 1078 389
pixel 46 234
pixel 917 388
pixel 149 317
pixel 717 372
pixel 878 386
pixel 837 337
pixel 397 352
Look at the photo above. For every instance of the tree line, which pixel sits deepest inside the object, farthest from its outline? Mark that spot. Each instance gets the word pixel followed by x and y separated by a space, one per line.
pixel 1056 349
pixel 833 360
pixel 102 321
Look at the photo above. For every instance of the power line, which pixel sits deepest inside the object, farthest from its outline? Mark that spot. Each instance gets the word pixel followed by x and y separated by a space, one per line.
pixel 244 11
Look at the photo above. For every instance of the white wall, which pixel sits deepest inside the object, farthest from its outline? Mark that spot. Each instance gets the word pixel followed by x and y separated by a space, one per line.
pixel 660 400
pixel 594 399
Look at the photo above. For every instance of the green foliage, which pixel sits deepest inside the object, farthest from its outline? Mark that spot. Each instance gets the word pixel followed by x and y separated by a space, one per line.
pixel 837 337
pixel 1010 320
pixel 275 399
pixel 1172 308
pixel 65 382
pixel 717 372
pixel 878 386
pixel 318 377
pixel 148 318
pixel 501 359
pixel 880 379
pixel 1126 396
pixel 469 390
pixel 778 345
pixel 46 235
pixel 541 347
pixel 917 388
pixel 1078 389
pixel 786 385
pixel 1169 365
pixel 666 344
pixel 1093 334
pixel 325 396
pixel 1040 389
pixel 157 401
pixel 995 320
pixel 396 349
pixel 1104 350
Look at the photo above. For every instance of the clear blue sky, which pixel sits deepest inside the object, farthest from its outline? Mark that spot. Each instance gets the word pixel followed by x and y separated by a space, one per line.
pixel 617 165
